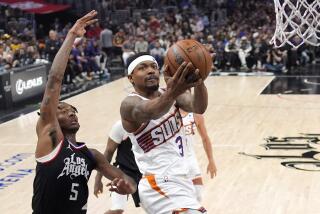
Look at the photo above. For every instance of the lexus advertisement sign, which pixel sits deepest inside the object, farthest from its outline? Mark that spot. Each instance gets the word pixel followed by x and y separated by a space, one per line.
pixel 28 83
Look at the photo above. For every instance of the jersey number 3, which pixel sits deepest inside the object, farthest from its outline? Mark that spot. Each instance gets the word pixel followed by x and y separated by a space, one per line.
pixel 180 145
pixel 74 192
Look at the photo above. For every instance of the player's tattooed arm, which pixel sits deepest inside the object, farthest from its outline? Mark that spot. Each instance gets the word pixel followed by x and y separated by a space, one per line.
pixel 120 182
pixel 52 92
pixel 48 129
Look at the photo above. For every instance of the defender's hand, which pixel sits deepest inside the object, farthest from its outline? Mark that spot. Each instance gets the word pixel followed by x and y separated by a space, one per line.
pixel 121 186
pixel 78 28
pixel 98 188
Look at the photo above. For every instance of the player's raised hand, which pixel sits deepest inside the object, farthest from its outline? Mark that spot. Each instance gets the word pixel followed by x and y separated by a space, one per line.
pixel 79 27
pixel 184 78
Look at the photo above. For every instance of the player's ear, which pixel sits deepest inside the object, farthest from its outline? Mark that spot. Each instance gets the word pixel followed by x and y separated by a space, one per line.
pixel 130 79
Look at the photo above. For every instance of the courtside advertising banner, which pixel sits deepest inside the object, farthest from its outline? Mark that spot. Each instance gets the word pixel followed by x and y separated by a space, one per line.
pixel 28 83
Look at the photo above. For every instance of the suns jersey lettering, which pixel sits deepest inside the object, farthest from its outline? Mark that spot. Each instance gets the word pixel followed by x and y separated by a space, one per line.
pixel 157 145
pixel 189 124
pixel 189 127
pixel 161 133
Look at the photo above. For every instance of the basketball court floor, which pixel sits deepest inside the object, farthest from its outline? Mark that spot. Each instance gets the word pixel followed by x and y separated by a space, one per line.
pixel 266 145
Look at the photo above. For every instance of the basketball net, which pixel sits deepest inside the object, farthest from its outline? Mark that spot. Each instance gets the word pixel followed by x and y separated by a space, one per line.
pixel 297 22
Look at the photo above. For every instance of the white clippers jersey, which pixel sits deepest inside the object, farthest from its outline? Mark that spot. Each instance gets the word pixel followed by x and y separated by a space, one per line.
pixel 158 144
pixel 189 127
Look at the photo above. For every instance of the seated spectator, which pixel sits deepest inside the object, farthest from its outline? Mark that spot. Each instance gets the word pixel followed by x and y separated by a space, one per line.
pixel 141 45
pixel 127 49
pixel 232 54
pixel 276 60
pixel 52 45
pixel 158 53
pixel 244 51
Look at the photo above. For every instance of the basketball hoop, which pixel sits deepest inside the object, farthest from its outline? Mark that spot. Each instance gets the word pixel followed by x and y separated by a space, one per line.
pixel 297 22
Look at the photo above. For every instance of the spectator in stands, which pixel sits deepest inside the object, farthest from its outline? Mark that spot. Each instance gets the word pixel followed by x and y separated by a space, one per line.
pixel 94 31
pixel 141 44
pixel 52 45
pixel 127 49
pixel 232 54
pixel 276 60
pixel 244 50
pixel 90 52
pixel 158 53
pixel 106 37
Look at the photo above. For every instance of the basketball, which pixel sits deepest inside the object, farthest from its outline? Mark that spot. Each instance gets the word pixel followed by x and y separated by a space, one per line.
pixel 189 51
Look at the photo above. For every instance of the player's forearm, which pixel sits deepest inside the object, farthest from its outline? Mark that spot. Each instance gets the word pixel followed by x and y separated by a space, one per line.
pixel 207 148
pixel 98 176
pixel 200 99
pixel 61 59
pixel 52 92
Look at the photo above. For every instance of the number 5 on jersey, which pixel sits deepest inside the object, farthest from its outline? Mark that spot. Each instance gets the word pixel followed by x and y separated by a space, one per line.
pixel 74 192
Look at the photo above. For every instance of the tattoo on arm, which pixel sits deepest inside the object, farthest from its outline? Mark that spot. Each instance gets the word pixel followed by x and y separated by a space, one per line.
pixel 53 137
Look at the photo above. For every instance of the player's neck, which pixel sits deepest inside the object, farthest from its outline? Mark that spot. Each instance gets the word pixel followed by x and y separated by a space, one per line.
pixel 149 94
pixel 71 137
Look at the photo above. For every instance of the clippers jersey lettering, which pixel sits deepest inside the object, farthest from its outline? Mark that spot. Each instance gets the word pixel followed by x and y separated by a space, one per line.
pixel 60 185
pixel 158 144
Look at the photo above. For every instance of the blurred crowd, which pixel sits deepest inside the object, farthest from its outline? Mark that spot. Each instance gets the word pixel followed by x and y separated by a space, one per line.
pixel 240 38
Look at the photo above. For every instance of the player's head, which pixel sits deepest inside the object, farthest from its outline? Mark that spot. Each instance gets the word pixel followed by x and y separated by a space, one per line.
pixel 143 72
pixel 67 118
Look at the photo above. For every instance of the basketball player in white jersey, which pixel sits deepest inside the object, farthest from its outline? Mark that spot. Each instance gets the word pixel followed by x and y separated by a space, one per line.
pixel 119 140
pixel 154 124
pixel 191 122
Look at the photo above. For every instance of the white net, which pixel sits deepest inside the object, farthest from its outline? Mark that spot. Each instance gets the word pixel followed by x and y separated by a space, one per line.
pixel 297 22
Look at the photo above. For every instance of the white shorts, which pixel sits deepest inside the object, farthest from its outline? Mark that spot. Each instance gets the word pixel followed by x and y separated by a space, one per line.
pixel 193 166
pixel 164 194
pixel 118 201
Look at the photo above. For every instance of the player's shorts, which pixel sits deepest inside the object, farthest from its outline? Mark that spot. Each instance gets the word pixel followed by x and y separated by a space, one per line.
pixel 165 194
pixel 193 166
pixel 119 201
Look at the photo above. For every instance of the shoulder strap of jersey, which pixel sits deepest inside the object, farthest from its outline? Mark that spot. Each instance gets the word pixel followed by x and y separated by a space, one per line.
pixel 134 94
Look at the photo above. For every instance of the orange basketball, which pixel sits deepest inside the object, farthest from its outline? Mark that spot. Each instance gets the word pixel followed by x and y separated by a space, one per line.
pixel 189 51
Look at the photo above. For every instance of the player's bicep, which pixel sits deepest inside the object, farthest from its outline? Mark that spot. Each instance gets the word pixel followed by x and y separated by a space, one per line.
pixel 50 101
pixel 133 113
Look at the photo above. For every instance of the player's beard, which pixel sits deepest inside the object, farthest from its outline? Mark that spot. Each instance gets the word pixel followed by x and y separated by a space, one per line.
pixel 71 130
pixel 153 87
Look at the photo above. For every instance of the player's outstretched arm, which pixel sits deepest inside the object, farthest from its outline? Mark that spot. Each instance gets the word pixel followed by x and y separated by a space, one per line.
pixel 48 130
pixel 121 183
pixel 199 120
pixel 135 111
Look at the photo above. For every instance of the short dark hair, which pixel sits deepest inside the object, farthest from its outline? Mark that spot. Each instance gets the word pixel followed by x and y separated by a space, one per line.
pixel 74 108
pixel 135 56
